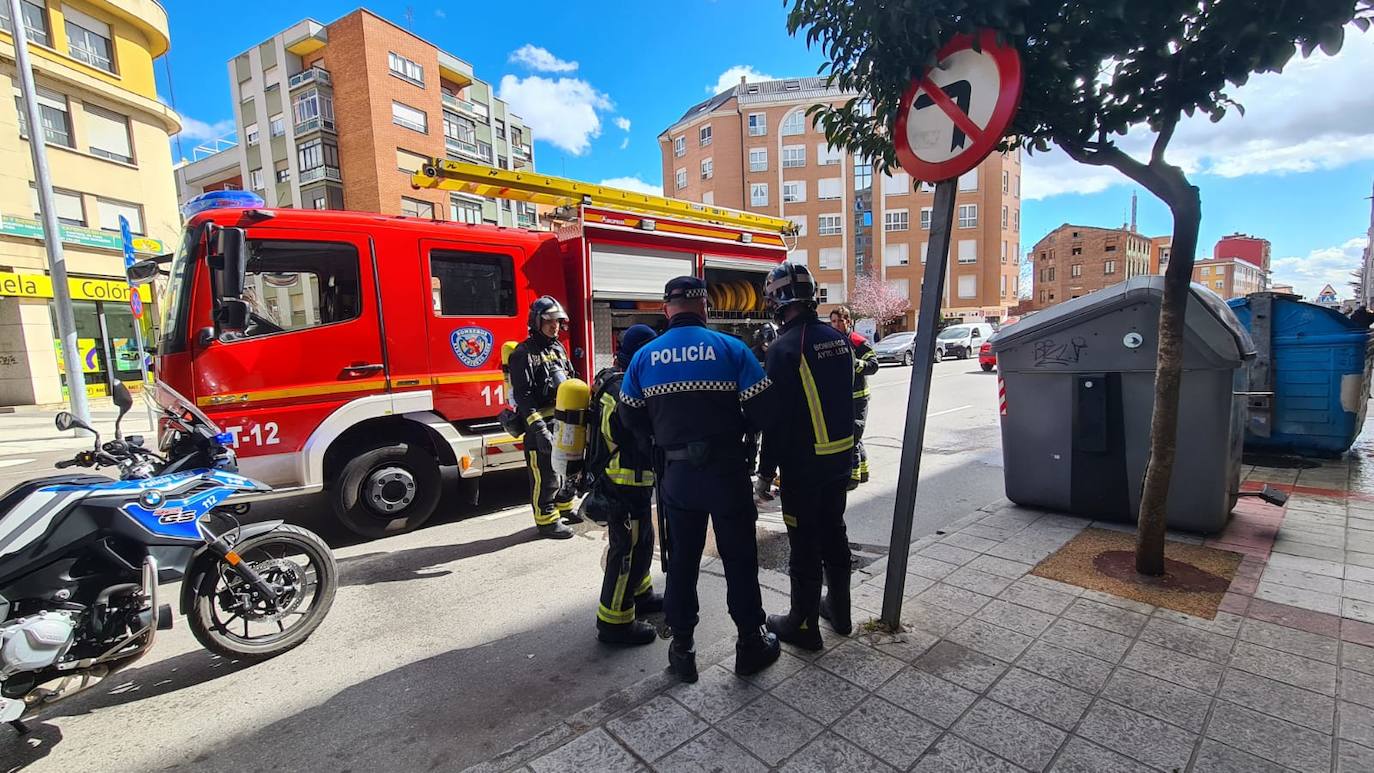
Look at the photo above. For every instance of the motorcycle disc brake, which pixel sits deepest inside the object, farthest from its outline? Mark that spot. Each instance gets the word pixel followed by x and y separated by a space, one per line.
pixel 290 577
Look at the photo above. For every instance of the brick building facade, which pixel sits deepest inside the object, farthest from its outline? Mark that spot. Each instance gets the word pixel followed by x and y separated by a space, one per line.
pixel 1074 260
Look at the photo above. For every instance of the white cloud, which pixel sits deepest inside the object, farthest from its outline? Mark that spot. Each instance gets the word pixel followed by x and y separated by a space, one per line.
pixel 1328 265
pixel 193 130
pixel 1288 127
pixel 540 59
pixel 633 184
pixel 622 122
pixel 564 111
pixel 730 78
pixel 625 143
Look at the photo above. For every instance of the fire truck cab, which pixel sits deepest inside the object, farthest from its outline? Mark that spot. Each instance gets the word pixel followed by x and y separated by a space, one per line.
pixel 359 354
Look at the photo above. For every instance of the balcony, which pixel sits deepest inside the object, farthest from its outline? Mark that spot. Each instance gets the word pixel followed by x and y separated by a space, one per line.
pixel 520 151
pixel 455 69
pixel 309 75
pixel 320 173
pixel 314 124
pixel 525 219
pixel 472 150
pixel 474 109
pixel 305 37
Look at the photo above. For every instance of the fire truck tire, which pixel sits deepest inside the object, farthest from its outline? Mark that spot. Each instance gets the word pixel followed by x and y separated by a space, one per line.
pixel 388 490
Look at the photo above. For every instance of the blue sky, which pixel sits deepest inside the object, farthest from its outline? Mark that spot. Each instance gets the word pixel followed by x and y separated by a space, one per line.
pixel 599 85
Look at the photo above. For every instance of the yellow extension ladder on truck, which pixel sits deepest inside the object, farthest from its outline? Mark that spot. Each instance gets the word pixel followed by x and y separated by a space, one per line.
pixel 536 188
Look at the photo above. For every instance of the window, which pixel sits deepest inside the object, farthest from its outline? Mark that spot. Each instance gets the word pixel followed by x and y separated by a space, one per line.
pixel 70 210
pixel 758 194
pixel 968 250
pixel 798 257
pixel 409 117
pixel 1004 216
pixel 405 69
pixel 794 123
pixel 35 21
pixel 896 220
pixel 758 124
pixel 830 292
pixel 709 197
pixel 758 159
pixel 1050 274
pixel 1006 181
pixel 704 135
pixel 1109 267
pixel 409 162
pixel 927 187
pixel 108 134
pixel 680 177
pixel 968 181
pixel 1109 248
pixel 925 218
pixel 1018 186
pixel 826 155
pixel 500 129
pixel 831 258
pixel 798 220
pixel 276 125
pixel 829 225
pixel 317 153
pixel 1219 283
pixel 863 175
pixel 312 109
pixel 897 184
pixel 902 287
pixel 896 254
pixel 1004 250
pixel 679 146
pixel 1016 218
pixel 255 180
pixel 284 174
pixel 110 210
pixel 1076 270
pixel 88 39
pixel 1004 284
pixel 968 215
pixel 416 208
pixel 925 251
pixel 1075 250
pixel 250 134
pixel 707 167
pixel 793 156
pixel 829 188
pixel 298 285
pixel 1206 270
pixel 968 287
pixel 794 191
pixel 464 211
pixel 472 284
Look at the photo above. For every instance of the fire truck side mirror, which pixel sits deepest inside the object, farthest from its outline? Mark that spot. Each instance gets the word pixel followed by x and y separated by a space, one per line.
pixel 142 272
pixel 232 253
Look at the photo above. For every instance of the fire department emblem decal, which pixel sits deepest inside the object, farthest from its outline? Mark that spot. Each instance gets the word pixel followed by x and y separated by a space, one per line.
pixel 472 345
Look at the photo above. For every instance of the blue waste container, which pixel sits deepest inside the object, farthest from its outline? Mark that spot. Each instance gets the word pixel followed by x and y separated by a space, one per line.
pixel 1309 381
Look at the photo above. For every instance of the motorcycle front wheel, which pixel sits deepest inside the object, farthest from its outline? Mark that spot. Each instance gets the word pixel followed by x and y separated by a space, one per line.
pixel 228 620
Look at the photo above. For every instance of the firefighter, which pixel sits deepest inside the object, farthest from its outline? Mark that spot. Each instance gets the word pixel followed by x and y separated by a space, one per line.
pixel 865 365
pixel 697 392
pixel 622 485
pixel 811 366
pixel 537 366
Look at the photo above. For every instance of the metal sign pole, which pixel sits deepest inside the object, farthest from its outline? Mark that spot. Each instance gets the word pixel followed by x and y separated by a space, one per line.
pixel 918 398
pixel 136 310
pixel 52 234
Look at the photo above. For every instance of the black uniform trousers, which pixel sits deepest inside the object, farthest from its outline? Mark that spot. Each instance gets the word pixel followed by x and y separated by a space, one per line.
pixel 718 490
pixel 816 533
pixel 549 498
pixel 859 466
pixel 631 551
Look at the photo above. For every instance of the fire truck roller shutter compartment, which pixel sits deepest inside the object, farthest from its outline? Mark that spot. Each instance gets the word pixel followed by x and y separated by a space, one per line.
pixel 735 288
pixel 627 289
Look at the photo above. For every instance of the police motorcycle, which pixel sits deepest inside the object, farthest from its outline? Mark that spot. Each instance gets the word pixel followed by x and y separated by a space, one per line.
pixel 82 557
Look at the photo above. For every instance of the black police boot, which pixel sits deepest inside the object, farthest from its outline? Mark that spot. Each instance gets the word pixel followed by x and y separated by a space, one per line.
pixel 682 657
pixel 627 634
pixel 648 604
pixel 756 650
pixel 799 626
pixel 835 605
pixel 555 530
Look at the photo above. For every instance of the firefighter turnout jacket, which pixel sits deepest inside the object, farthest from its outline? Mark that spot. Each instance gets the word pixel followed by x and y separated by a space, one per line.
pixel 812 369
pixel 626 464
pixel 865 364
pixel 537 366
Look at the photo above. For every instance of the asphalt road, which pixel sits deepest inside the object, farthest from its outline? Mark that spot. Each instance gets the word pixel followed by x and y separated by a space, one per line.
pixel 450 644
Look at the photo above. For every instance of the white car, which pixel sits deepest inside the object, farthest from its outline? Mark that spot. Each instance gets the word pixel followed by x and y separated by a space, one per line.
pixel 961 341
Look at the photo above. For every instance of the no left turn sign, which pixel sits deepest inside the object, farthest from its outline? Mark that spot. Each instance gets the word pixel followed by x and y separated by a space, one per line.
pixel 956 113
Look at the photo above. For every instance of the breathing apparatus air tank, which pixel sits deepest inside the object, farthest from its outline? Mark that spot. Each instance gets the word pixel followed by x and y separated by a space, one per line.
pixel 570 435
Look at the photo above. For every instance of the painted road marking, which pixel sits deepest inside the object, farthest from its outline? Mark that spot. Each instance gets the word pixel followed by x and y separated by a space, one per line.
pixel 14 462
pixel 950 410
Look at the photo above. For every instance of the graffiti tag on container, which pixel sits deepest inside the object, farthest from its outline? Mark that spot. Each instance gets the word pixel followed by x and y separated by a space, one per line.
pixel 1051 352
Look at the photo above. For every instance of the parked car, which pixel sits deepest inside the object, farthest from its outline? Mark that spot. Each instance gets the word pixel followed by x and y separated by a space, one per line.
pixel 961 341
pixel 896 347
pixel 986 359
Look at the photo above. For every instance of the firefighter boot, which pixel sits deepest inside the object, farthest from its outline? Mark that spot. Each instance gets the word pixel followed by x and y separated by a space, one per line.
pixel 835 605
pixel 682 657
pixel 650 603
pixel 555 530
pixel 799 626
pixel 630 634
pixel 755 650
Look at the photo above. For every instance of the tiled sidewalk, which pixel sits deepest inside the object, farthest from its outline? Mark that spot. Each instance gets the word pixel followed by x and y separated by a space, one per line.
pixel 1005 671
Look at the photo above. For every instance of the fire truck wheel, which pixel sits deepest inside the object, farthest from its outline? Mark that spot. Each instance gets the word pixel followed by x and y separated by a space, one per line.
pixel 389 490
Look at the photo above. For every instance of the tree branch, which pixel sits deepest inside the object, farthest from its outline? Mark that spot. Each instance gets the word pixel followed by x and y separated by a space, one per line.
pixel 1166 133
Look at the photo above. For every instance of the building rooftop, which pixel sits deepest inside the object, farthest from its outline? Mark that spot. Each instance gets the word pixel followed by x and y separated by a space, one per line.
pixel 785 90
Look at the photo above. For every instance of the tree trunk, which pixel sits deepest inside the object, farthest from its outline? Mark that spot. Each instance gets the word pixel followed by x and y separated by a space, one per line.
pixel 1186 207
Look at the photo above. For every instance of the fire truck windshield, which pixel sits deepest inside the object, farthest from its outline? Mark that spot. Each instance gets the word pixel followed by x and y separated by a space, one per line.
pixel 177 301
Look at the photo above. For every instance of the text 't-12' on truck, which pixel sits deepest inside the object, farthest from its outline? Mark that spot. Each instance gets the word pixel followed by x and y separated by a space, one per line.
pixel 359 354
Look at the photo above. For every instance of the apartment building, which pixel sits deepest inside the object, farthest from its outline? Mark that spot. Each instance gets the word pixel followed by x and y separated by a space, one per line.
pixel 1161 247
pixel 1229 277
pixel 1074 260
pixel 339 115
pixel 1239 246
pixel 106 134
pixel 753 148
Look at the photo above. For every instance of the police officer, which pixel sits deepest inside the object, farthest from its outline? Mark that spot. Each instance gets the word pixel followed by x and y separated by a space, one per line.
pixel 623 484
pixel 865 365
pixel 697 392
pixel 812 368
pixel 537 366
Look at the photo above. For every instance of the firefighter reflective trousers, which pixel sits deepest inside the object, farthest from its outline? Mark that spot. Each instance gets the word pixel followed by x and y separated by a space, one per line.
pixel 815 529
pixel 859 466
pixel 717 490
pixel 631 534
pixel 548 496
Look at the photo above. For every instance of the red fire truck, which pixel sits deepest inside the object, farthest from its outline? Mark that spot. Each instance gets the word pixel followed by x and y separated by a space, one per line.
pixel 359 354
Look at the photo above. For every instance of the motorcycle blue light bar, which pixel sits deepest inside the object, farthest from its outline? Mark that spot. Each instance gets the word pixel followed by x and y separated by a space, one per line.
pixel 222 200
pixel 225 438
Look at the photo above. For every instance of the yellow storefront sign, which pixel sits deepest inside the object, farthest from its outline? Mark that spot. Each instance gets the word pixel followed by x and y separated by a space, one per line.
pixel 82 288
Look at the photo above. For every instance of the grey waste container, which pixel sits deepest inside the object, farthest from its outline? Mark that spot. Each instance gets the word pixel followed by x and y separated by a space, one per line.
pixel 1079 381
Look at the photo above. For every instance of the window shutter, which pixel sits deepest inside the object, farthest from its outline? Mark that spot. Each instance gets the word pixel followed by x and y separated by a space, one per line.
pixel 108 131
